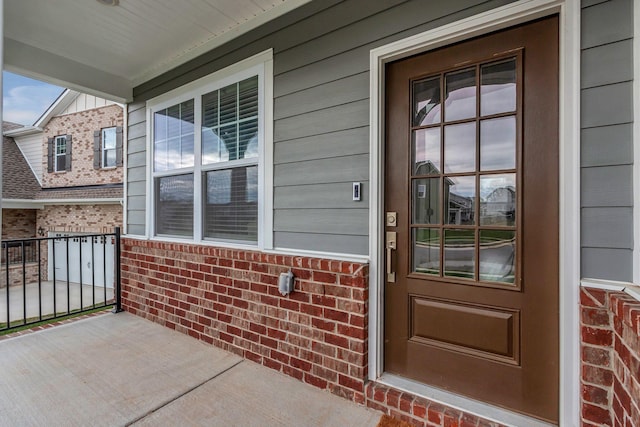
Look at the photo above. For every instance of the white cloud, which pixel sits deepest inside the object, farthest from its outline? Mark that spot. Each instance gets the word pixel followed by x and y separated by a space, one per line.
pixel 25 104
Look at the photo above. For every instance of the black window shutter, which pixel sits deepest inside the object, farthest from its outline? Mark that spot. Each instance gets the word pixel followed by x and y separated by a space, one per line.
pixel 97 152
pixel 119 146
pixel 68 156
pixel 50 149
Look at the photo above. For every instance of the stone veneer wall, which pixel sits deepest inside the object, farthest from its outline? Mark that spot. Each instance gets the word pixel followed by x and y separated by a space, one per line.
pixel 610 326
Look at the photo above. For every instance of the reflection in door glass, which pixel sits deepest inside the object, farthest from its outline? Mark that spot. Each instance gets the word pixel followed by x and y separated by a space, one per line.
pixel 426 251
pixel 460 148
pixel 459 253
pixel 426 201
pixel 498 88
pixel 498 199
pixel 460 102
pixel 426 145
pixel 459 193
pixel 497 256
pixel 426 102
pixel 498 143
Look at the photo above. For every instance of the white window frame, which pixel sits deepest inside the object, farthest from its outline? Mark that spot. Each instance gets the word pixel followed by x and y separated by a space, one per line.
pixel 260 65
pixel 56 154
pixel 103 149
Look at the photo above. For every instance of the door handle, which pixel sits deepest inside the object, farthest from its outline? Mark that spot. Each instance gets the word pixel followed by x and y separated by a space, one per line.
pixel 391 246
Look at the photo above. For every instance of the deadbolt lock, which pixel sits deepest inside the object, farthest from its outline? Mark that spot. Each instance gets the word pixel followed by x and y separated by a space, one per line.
pixel 392 219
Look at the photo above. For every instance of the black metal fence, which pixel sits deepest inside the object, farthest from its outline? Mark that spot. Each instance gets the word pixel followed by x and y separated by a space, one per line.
pixel 17 251
pixel 51 277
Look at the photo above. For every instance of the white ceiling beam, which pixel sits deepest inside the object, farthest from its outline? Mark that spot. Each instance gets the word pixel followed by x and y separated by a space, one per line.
pixel 42 65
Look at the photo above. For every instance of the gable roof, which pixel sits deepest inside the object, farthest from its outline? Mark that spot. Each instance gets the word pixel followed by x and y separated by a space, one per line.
pixel 58 106
pixel 18 180
pixel 21 188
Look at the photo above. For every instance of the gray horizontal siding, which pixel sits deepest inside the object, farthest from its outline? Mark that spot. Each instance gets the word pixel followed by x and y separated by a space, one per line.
pixel 607 64
pixel 321 221
pixel 339 117
pixel 608 264
pixel 323 146
pixel 343 91
pixel 136 169
pixel 607 227
pixel 322 242
pixel 339 169
pixel 607 139
pixel 321 108
pixel 321 196
pixel 618 149
pixel 607 186
pixel 607 105
pixel 606 22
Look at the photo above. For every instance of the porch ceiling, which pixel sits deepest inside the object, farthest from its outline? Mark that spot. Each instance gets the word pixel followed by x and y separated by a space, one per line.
pixel 108 50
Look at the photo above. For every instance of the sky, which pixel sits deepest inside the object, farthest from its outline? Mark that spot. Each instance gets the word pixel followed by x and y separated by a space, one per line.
pixel 24 99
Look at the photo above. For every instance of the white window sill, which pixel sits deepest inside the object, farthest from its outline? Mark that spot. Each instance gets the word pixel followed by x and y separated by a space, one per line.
pixel 610 285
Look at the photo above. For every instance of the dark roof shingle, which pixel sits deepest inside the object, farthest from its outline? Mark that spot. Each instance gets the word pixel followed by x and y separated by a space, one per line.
pixel 18 180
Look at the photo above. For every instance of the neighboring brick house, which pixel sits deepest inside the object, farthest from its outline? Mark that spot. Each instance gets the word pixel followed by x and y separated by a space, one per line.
pixel 63 175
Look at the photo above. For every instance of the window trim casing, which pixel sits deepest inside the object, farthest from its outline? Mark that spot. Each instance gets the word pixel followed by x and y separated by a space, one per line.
pixel 56 154
pixel 261 65
pixel 103 149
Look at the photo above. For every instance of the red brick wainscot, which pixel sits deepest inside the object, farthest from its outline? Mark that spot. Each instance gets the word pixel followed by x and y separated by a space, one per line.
pixel 229 298
pixel 418 411
pixel 610 331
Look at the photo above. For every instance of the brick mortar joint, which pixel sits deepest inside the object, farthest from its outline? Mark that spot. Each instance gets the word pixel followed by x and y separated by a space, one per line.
pixel 612 301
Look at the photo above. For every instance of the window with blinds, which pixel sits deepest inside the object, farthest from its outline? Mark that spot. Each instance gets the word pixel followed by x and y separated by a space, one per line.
pixel 205 163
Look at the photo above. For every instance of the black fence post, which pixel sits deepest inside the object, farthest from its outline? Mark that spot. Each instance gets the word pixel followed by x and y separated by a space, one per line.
pixel 118 290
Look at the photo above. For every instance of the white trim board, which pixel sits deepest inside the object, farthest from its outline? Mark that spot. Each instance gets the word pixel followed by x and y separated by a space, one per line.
pixel 496 19
pixel 636 144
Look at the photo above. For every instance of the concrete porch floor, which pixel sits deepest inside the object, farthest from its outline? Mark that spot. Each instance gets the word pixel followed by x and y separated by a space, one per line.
pixel 122 370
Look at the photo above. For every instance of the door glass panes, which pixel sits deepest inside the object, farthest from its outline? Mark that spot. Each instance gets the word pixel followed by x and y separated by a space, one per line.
pixel 459 253
pixel 459 194
pixel 230 122
pixel 426 102
pixel 498 199
pixel 460 101
pixel 173 137
pixel 497 256
pixel 426 151
pixel 426 250
pixel 460 148
pixel 426 201
pixel 498 91
pixel 498 143
pixel 464 191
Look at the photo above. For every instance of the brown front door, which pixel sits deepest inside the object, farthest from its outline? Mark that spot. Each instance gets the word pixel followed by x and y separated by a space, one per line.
pixel 471 201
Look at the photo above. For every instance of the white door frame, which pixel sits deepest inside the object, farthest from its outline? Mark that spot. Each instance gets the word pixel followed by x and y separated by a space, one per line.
pixel 569 109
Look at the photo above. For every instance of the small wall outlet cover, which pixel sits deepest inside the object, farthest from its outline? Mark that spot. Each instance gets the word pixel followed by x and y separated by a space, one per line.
pixel 286 283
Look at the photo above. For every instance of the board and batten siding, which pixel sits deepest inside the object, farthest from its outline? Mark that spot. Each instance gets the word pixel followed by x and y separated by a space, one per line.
pixel 607 139
pixel 85 102
pixel 321 111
